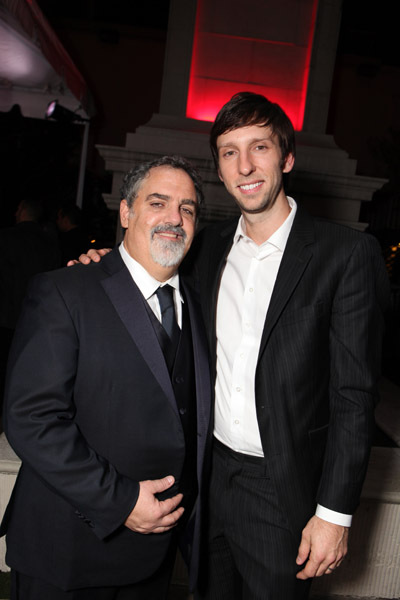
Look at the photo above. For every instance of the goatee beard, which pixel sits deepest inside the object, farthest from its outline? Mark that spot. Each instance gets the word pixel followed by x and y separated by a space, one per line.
pixel 167 253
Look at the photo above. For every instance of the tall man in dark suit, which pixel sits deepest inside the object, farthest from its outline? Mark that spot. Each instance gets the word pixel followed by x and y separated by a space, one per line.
pixel 294 310
pixel 293 307
pixel 107 405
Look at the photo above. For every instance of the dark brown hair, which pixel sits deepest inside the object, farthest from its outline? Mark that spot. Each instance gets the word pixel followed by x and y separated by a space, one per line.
pixel 245 109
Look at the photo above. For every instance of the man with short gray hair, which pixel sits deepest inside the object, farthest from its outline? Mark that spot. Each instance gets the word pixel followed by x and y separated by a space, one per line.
pixel 107 405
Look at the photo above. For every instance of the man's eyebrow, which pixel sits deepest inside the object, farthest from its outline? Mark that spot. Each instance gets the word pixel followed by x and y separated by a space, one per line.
pixel 266 138
pixel 166 197
pixel 157 195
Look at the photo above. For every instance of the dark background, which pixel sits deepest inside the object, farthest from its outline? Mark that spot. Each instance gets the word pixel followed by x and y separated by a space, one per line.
pixel 119 48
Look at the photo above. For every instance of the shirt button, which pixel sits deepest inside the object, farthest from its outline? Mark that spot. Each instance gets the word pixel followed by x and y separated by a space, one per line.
pixel 251 290
pixel 236 422
pixel 238 389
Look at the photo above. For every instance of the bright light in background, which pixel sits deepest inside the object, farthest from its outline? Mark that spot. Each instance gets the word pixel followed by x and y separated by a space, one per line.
pixel 22 62
pixel 224 64
pixel 50 109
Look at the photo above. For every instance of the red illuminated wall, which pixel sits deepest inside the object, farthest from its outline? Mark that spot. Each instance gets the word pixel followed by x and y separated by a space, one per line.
pixel 261 46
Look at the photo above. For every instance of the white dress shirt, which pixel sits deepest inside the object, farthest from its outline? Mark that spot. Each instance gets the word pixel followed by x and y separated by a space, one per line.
pixel 245 292
pixel 148 285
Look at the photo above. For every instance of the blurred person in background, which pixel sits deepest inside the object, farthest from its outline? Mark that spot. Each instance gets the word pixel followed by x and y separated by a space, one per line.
pixel 25 250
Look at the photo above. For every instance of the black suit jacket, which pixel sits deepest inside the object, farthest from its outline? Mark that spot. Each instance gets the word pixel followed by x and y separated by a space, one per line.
pixel 91 411
pixel 319 359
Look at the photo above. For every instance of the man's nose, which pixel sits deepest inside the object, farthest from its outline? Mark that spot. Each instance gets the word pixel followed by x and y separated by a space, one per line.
pixel 245 163
pixel 174 216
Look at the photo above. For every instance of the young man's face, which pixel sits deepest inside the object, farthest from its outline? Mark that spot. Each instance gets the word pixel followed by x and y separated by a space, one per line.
pixel 161 224
pixel 250 166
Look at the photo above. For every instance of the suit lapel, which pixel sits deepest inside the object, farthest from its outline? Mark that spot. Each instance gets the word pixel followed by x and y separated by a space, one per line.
pixel 201 364
pixel 129 304
pixel 295 259
pixel 218 253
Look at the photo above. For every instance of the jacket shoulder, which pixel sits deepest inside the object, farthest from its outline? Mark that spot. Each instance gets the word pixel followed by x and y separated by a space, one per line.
pixel 74 283
pixel 109 264
pixel 334 234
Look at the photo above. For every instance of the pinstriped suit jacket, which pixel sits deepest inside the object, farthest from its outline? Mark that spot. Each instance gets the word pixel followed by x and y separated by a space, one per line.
pixel 319 358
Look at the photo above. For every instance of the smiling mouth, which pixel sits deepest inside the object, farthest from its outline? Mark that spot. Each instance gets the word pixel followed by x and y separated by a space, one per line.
pixel 169 235
pixel 249 187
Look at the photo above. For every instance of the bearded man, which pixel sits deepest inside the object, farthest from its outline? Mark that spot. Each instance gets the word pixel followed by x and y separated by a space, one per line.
pixel 107 405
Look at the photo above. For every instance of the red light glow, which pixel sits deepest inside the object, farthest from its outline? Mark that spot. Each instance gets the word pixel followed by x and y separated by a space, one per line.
pixel 223 65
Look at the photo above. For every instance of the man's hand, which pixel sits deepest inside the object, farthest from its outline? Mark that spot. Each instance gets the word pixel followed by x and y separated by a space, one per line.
pixel 151 515
pixel 92 255
pixel 324 544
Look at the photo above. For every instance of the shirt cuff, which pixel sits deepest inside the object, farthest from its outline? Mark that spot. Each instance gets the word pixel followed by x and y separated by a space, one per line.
pixel 333 517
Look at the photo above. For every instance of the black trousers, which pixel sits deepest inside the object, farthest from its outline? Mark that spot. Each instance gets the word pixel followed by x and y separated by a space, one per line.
pixel 155 587
pixel 250 552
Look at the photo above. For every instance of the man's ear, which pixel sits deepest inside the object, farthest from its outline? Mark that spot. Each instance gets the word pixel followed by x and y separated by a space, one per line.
pixel 288 163
pixel 219 175
pixel 124 211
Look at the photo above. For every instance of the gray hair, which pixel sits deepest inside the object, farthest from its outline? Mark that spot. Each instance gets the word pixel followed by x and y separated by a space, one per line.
pixel 133 179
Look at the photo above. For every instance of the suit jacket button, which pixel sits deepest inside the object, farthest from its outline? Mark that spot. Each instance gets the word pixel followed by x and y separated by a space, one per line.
pixel 179 379
pixel 182 411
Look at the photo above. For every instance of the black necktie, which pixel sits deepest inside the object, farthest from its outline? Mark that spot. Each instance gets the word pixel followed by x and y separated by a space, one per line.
pixel 165 297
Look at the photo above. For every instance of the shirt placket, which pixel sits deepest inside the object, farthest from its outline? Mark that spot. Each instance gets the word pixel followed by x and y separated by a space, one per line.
pixel 245 360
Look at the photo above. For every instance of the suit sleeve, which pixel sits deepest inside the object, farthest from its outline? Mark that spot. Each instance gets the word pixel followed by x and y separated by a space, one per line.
pixel 39 414
pixel 356 330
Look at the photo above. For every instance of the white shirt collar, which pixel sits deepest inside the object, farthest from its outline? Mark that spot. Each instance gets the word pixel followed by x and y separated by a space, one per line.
pixel 279 238
pixel 146 283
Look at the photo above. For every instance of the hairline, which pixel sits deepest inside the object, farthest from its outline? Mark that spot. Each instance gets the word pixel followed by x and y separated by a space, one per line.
pixel 135 177
pixel 157 194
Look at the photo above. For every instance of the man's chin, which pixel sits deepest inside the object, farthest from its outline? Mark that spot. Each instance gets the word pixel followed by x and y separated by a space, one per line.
pixel 256 207
pixel 168 257
pixel 167 263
